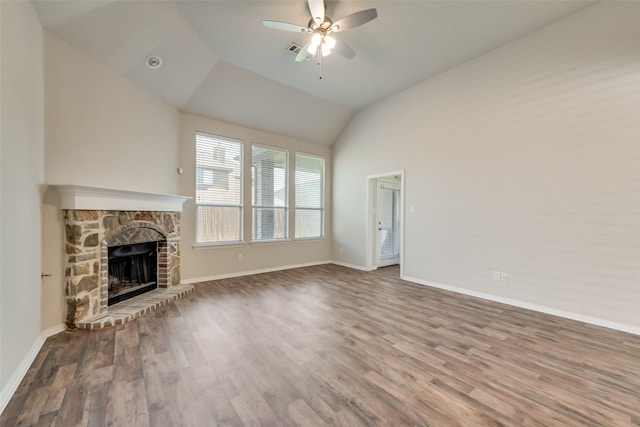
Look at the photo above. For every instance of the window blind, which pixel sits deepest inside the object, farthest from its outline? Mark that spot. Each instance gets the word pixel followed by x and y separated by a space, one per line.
pixel 309 191
pixel 218 189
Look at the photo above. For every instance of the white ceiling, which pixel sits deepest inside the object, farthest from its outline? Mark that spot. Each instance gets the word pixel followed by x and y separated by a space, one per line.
pixel 221 62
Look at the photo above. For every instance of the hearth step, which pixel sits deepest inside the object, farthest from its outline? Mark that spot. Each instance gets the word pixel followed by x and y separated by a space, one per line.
pixel 135 307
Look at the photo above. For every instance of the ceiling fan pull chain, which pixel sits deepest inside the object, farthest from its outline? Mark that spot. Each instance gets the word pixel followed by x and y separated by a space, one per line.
pixel 319 65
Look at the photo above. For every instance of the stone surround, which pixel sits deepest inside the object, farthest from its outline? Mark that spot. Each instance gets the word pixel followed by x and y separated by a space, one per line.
pixel 89 234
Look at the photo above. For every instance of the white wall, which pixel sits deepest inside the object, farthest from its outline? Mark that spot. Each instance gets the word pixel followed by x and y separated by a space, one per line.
pixel 22 177
pixel 220 261
pixel 101 130
pixel 525 160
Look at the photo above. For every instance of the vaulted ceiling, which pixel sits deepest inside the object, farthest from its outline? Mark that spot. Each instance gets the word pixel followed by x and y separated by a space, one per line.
pixel 219 60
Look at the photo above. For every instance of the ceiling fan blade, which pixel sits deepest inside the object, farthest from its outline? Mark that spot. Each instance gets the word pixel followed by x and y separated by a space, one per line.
pixel 354 20
pixel 285 26
pixel 344 49
pixel 317 10
pixel 304 54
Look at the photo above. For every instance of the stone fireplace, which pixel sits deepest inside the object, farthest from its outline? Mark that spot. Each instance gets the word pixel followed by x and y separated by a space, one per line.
pixel 121 251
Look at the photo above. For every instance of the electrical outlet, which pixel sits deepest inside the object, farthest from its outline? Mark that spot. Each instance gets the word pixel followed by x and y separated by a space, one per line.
pixel 504 276
pixel 496 275
pixel 240 257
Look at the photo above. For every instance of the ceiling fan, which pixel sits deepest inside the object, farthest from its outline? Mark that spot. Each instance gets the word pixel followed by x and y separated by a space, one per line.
pixel 321 27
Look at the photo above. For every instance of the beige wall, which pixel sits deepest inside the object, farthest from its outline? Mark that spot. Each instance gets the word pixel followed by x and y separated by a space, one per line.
pixel 222 261
pixel 524 160
pixel 103 131
pixel 21 179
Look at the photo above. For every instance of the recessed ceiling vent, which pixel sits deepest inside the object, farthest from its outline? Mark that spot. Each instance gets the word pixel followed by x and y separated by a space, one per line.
pixel 154 62
pixel 295 48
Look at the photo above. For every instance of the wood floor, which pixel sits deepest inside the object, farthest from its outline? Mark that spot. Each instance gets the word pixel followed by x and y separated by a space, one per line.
pixel 328 345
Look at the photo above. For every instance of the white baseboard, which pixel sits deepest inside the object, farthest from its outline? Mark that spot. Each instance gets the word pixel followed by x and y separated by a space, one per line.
pixel 355 267
pixel 535 307
pixel 12 385
pixel 250 272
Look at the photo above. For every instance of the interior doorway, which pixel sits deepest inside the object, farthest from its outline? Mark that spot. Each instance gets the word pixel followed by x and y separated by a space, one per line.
pixel 385 220
pixel 388 223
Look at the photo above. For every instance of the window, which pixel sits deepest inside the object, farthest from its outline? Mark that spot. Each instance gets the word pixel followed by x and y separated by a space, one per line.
pixel 269 193
pixel 220 192
pixel 209 178
pixel 309 186
pixel 218 189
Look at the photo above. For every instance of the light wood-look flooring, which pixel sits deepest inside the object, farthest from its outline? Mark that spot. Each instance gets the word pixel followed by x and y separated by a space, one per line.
pixel 328 345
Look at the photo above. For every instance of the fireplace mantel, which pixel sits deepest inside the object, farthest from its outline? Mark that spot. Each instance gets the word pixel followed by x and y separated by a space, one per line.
pixel 82 197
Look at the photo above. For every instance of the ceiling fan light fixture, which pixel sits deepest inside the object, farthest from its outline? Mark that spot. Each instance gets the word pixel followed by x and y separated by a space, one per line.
pixel 330 42
pixel 326 50
pixel 316 39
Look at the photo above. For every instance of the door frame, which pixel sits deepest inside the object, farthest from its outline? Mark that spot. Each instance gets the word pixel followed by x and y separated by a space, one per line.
pixel 370 220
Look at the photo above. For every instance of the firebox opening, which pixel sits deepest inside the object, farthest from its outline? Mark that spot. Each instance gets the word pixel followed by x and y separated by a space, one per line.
pixel 132 270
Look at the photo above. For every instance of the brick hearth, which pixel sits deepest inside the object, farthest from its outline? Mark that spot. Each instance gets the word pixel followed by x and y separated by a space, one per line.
pixel 135 307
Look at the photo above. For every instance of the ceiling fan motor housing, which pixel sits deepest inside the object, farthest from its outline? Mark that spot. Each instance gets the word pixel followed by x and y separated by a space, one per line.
pixel 323 27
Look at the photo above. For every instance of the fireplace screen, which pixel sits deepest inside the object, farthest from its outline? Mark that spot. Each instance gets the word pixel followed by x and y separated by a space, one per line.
pixel 132 270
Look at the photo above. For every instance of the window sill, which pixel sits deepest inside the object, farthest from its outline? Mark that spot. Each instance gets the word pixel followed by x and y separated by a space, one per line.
pixel 200 246
pixel 309 239
pixel 269 242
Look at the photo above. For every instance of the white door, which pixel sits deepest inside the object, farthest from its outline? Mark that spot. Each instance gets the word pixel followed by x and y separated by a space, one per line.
pixel 388 224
